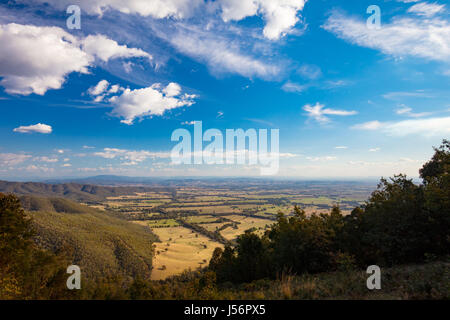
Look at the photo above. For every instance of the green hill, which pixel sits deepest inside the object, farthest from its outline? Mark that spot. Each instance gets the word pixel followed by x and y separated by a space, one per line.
pixel 73 191
pixel 97 241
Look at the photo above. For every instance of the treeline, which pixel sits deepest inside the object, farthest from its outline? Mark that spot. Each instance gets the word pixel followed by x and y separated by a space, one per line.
pixel 400 223
pixel 213 235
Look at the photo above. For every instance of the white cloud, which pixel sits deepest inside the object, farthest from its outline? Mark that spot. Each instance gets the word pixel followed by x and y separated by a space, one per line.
pixel 403 36
pixel 407 111
pixel 66 165
pixel 148 8
pixel 321 159
pixel 399 95
pixel 221 55
pixel 100 91
pixel 46 159
pixel 280 15
pixel 173 89
pixel 310 71
pixel 426 9
pixel 293 87
pixel 318 113
pixel 106 49
pixel 374 149
pixel 99 88
pixel 130 157
pixel 425 127
pixel 371 125
pixel 132 104
pixel 34 168
pixel 341 147
pixel 12 159
pixel 35 59
pixel 39 128
pixel 114 89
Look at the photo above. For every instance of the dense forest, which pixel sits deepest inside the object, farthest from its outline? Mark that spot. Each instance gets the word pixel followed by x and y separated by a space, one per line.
pixel 403 227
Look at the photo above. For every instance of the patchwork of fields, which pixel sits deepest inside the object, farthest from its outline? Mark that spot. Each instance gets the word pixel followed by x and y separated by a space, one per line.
pixel 192 220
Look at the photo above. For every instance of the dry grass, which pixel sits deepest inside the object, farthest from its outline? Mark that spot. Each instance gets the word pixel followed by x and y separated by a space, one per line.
pixel 245 224
pixel 180 249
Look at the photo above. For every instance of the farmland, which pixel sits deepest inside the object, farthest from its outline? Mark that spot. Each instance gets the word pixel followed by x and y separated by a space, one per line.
pixel 191 219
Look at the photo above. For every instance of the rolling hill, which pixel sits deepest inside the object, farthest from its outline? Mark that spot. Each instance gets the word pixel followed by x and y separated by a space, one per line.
pixel 73 191
pixel 97 241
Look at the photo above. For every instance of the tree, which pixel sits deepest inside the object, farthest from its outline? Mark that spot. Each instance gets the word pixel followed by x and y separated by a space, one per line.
pixel 26 271
pixel 436 178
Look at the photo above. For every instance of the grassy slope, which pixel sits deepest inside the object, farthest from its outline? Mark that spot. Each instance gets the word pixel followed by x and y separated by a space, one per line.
pixel 100 243
pixel 424 281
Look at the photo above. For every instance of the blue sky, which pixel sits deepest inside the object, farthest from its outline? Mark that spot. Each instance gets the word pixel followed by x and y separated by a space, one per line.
pixel 350 100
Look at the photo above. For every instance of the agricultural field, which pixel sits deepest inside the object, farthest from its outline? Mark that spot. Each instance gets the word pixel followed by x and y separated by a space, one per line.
pixel 243 224
pixel 180 249
pixel 191 219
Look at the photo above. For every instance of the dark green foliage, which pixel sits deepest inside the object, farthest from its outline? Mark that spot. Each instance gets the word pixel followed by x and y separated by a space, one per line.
pixel 26 271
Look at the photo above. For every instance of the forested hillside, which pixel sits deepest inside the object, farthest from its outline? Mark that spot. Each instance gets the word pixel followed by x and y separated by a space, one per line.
pixel 100 243
pixel 74 191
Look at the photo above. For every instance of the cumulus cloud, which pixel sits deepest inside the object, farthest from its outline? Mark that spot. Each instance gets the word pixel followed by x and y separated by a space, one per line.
pixel 403 36
pixel 99 88
pixel 105 49
pixel 149 101
pixel 36 59
pixel 425 127
pixel 25 70
pixel 147 8
pixel 280 16
pixel 102 90
pixel 38 128
pixel 318 113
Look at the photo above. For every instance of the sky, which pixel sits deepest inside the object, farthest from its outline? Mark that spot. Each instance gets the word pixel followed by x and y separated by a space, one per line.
pixel 351 98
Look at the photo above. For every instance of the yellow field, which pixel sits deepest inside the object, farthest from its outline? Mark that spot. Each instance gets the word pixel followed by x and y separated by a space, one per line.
pixel 188 251
pixel 245 224
pixel 213 226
